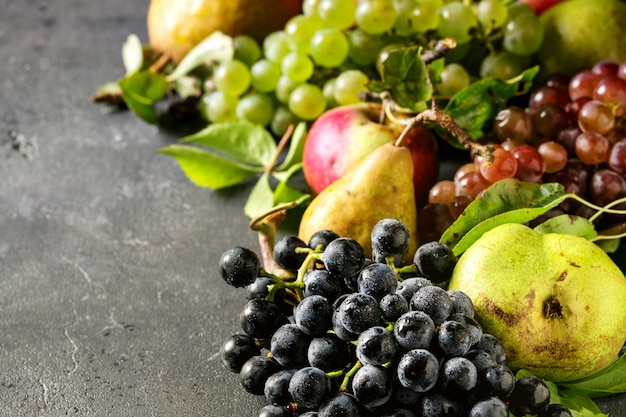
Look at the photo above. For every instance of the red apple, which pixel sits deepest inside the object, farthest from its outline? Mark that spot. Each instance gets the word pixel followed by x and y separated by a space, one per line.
pixel 342 136
pixel 540 6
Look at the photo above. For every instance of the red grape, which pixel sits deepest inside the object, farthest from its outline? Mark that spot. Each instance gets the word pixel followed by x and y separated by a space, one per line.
pixel 592 148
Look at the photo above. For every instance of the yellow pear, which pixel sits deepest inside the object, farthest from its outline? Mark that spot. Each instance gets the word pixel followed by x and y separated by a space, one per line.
pixel 176 26
pixel 379 187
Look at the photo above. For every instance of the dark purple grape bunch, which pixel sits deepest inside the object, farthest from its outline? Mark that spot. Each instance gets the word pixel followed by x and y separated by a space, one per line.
pixel 351 336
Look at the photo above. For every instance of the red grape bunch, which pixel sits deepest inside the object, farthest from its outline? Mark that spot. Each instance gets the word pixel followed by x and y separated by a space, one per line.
pixel 572 131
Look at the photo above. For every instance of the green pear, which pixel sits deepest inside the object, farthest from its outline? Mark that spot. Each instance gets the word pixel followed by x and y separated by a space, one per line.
pixel 380 186
pixel 579 33
pixel 557 302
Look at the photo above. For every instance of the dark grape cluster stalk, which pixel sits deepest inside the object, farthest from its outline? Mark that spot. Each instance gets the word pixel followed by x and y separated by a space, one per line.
pixel 352 336
pixel 572 130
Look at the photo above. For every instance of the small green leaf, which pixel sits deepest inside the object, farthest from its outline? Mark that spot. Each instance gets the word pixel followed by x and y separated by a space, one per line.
pixel 568 224
pixel 141 90
pixel 296 147
pixel 243 141
pixel 216 47
pixel 475 107
pixel 611 380
pixel 405 77
pixel 132 54
pixel 608 245
pixel 207 169
pixel 260 199
pixel 506 201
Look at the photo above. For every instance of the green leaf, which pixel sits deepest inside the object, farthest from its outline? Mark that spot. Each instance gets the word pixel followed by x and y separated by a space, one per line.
pixel 242 141
pixel 132 54
pixel 296 147
pixel 608 245
pixel 611 380
pixel 568 224
pixel 141 90
pixel 216 47
pixel 405 77
pixel 475 107
pixel 207 169
pixel 260 199
pixel 506 201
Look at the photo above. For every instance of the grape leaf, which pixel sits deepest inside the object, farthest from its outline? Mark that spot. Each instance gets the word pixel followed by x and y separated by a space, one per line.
pixel 140 90
pixel 405 77
pixel 475 107
pixel 208 169
pixel 132 54
pixel 243 141
pixel 506 201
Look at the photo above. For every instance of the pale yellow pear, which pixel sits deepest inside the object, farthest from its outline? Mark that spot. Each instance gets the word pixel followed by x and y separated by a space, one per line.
pixel 176 26
pixel 381 186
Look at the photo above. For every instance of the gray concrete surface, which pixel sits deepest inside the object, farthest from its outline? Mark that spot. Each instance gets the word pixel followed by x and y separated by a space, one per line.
pixel 110 301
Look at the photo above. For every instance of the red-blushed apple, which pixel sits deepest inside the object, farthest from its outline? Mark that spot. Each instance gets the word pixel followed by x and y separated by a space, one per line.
pixel 540 6
pixel 341 137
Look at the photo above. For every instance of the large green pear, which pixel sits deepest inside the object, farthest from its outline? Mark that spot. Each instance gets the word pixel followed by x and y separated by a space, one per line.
pixel 557 302
pixel 579 33
pixel 380 186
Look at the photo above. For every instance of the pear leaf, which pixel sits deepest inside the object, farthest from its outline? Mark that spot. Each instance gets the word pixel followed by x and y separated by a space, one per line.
pixel 141 90
pixel 611 380
pixel 569 225
pixel 405 77
pixel 215 47
pixel 505 201
pixel 241 140
pixel 208 169
pixel 132 54
pixel 260 198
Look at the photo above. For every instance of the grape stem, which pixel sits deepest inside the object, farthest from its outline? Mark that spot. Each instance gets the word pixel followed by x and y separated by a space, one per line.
pixel 346 379
pixel 445 121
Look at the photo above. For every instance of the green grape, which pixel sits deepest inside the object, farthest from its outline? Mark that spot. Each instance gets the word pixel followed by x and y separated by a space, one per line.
pixel 307 101
pixel 329 93
pixel 503 65
pixel 284 88
pixel 300 30
pixel 348 85
pixel 337 14
pixel 247 49
pixel 417 16
pixel 375 16
pixel 492 14
pixel 256 108
pixel 309 7
pixel 364 47
pixel 283 118
pixel 265 75
pixel 523 34
pixel 297 66
pixel 329 47
pixel 216 107
pixel 457 20
pixel 453 78
pixel 276 45
pixel 232 78
pixel 517 8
